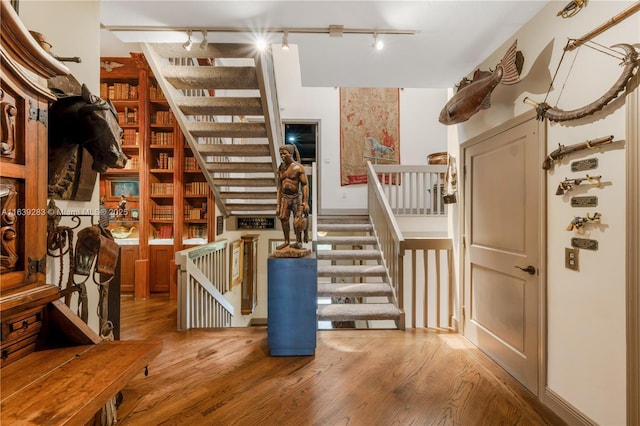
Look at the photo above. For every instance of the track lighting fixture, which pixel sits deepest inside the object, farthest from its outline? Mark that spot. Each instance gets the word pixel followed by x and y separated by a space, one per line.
pixel 187 44
pixel 204 43
pixel 377 43
pixel 333 31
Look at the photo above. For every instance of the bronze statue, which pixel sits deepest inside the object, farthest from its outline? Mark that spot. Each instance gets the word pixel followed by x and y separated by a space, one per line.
pixel 292 198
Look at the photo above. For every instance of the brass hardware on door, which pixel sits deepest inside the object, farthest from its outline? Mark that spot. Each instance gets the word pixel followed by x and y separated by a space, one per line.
pixel 529 269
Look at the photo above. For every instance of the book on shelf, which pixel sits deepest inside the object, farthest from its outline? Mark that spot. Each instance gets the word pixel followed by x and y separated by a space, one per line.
pixel 165 231
pixel 162 118
pixel 119 91
pixel 161 188
pixel 164 161
pixel 196 188
pixel 191 164
pixel 162 212
pixel 133 163
pixel 194 213
pixel 130 137
pixel 128 116
pixel 197 230
pixel 156 94
pixel 162 138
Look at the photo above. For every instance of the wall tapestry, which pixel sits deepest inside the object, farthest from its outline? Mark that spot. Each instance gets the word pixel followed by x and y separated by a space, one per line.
pixel 369 131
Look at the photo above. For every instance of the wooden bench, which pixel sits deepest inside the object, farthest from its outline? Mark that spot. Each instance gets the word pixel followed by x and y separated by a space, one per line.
pixel 55 369
pixel 68 386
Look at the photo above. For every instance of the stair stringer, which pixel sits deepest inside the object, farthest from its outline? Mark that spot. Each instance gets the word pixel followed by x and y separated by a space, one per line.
pixel 400 323
pixel 266 82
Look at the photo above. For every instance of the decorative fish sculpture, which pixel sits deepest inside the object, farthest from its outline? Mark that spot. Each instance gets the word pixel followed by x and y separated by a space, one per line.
pixel 473 96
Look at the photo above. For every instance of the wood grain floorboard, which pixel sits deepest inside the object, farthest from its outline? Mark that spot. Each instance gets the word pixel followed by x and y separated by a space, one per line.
pixel 371 377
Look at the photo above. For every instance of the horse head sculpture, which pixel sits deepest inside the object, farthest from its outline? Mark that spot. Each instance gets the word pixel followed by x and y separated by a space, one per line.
pixel 78 122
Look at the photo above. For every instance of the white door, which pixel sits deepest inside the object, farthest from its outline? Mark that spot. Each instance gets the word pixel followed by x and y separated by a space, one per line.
pixel 503 216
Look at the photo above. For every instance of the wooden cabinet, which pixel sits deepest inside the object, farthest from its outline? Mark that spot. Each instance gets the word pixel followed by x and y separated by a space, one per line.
pixel 129 254
pixel 24 100
pixel 174 206
pixel 161 259
pixel 249 298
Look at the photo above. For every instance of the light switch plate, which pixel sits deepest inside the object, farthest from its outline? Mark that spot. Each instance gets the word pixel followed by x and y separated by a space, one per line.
pixel 571 258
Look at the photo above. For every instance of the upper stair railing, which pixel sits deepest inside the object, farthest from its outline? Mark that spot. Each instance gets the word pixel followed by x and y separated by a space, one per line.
pixel 203 279
pixel 413 190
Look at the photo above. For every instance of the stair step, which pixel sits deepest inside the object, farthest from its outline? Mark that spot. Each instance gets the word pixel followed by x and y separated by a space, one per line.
pixel 227 130
pixel 348 240
pixel 253 195
pixel 354 290
pixel 351 271
pixel 208 77
pixel 245 182
pixel 329 219
pixel 240 167
pixel 345 227
pixel 348 254
pixel 235 150
pixel 218 105
pixel 358 311
pixel 213 50
pixel 251 207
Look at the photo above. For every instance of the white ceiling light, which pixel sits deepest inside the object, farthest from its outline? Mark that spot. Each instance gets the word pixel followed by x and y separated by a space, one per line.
pixel 187 44
pixel 261 44
pixel 204 43
pixel 377 43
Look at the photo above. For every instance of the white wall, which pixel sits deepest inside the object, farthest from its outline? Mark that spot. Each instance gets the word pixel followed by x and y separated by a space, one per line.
pixel 586 308
pixel 72 27
pixel 420 132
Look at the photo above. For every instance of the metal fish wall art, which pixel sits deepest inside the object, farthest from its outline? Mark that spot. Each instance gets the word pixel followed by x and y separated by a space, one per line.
pixel 475 95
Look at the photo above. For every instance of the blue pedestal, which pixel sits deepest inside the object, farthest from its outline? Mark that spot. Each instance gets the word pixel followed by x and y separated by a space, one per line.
pixel 292 305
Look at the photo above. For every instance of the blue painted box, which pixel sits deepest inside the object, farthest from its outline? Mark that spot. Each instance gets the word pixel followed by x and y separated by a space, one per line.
pixel 292 304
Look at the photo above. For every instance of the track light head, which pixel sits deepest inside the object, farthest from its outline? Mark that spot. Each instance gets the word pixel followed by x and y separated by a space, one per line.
pixel 285 40
pixel 204 43
pixel 187 44
pixel 377 43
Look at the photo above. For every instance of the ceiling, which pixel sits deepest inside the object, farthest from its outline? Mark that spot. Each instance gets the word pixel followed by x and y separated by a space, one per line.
pixel 451 37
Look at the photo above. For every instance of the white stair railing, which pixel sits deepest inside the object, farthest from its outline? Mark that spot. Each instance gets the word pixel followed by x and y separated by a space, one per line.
pixel 203 279
pixel 413 190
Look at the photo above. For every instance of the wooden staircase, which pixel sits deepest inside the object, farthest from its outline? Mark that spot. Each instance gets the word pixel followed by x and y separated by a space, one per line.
pixel 224 98
pixel 352 275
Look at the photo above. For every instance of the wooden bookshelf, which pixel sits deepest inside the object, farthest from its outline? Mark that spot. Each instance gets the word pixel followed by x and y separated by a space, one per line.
pixel 173 206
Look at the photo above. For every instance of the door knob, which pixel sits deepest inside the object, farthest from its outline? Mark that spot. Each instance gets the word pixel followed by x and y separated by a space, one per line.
pixel 529 269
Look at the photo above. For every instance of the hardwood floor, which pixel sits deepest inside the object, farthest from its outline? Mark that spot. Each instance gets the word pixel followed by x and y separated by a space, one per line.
pixel 378 377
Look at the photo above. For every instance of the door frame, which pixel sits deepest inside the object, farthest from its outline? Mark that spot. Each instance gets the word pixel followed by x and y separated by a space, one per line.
pixel 542 237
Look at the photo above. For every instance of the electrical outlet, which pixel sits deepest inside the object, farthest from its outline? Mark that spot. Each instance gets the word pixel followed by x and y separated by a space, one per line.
pixel 571 258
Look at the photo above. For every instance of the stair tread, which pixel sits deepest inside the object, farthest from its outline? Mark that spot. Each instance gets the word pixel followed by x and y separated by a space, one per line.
pixel 219 105
pixel 354 239
pixel 348 254
pixel 351 270
pixel 354 289
pixel 358 311
pixel 235 150
pixel 228 130
pixel 240 167
pixel 346 227
pixel 208 77
pixel 328 219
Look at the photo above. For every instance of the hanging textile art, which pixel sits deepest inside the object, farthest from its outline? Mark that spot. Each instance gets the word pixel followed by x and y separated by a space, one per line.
pixel 369 131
